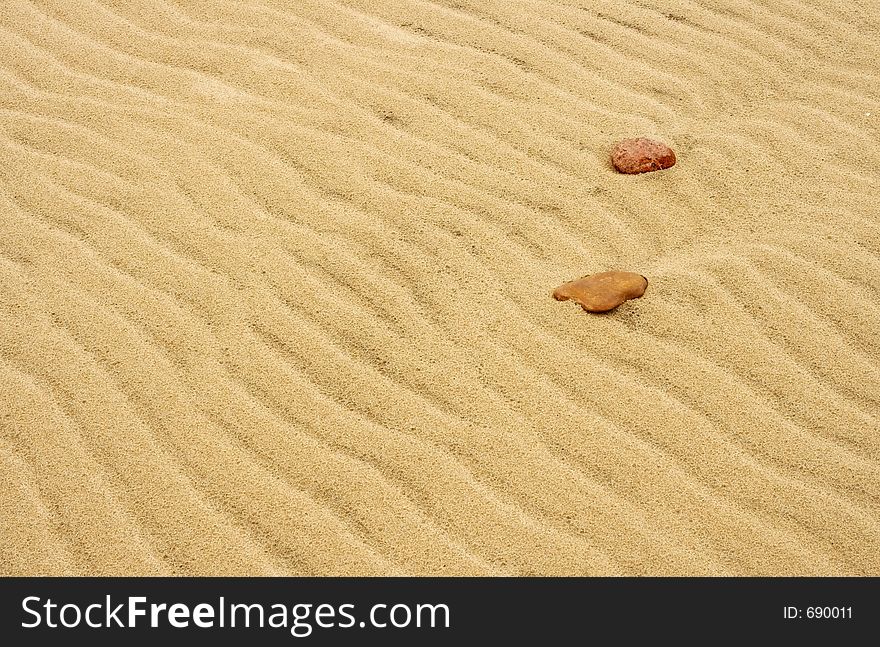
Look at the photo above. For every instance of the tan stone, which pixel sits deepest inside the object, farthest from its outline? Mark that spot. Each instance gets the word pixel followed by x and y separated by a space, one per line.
pixel 604 291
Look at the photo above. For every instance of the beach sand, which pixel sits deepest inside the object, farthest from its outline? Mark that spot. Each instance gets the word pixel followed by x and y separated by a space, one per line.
pixel 275 288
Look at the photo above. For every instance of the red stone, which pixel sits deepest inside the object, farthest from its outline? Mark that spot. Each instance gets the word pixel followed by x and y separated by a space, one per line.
pixel 641 155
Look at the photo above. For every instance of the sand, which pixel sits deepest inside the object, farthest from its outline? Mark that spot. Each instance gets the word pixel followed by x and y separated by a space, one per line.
pixel 275 288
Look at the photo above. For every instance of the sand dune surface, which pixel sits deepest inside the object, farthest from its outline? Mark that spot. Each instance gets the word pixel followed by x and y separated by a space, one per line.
pixel 276 276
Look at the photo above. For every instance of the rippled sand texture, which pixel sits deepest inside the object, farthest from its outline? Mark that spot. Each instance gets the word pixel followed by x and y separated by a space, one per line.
pixel 275 288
